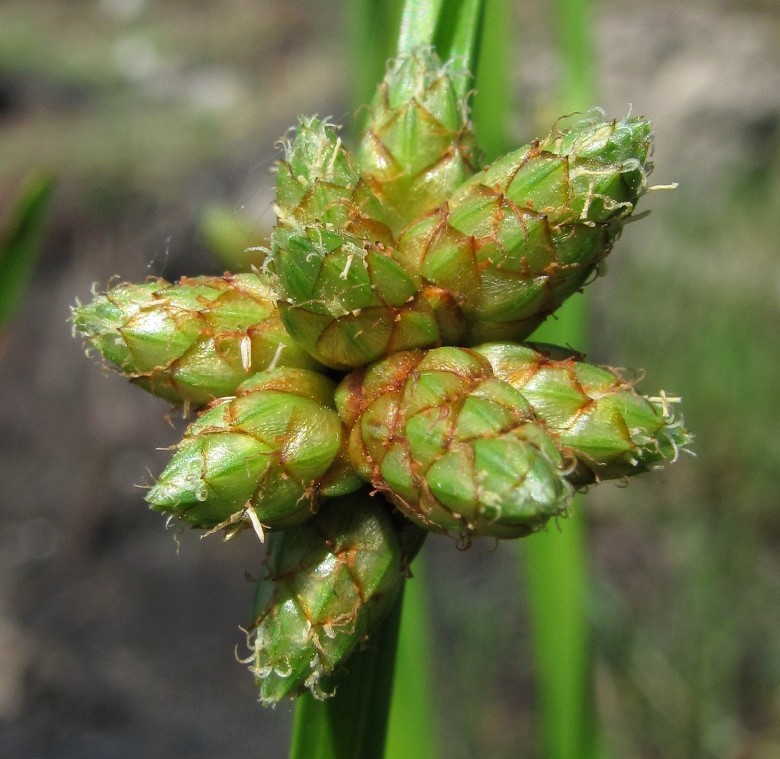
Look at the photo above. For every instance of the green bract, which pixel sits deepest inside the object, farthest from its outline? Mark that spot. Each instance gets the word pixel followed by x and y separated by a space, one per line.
pixel 513 242
pixel 267 456
pixel 329 582
pixel 590 411
pixel 192 341
pixel 451 446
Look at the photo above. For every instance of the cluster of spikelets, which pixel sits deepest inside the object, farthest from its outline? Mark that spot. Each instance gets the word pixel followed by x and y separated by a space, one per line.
pixel 368 384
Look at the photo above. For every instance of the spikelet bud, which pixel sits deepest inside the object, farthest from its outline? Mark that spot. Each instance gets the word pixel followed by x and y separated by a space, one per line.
pixel 318 181
pixel 264 457
pixel 418 145
pixel 346 300
pixel 525 233
pixel 330 582
pixel 590 411
pixel 192 341
pixel 455 448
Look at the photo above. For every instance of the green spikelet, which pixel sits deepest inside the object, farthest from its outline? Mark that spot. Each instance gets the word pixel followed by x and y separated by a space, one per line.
pixel 590 411
pixel 525 233
pixel 418 145
pixel 267 455
pixel 347 302
pixel 319 182
pixel 452 446
pixel 330 582
pixel 192 341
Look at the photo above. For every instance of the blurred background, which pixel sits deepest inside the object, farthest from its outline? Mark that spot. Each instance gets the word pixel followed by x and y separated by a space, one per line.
pixel 118 638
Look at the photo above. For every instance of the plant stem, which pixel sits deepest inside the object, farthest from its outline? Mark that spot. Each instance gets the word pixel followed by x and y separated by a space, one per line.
pixel 412 730
pixel 459 35
pixel 577 77
pixel 419 19
pixel 371 41
pixel 353 723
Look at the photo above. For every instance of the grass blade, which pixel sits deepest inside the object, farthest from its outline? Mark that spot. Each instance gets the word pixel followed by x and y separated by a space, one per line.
pixel 557 588
pixel 20 244
pixel 231 238
pixel 492 105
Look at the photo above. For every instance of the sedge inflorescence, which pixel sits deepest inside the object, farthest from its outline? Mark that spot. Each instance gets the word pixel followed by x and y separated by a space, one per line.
pixel 369 384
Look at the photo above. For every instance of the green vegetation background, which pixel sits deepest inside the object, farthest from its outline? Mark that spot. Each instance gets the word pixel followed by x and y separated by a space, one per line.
pixel 116 636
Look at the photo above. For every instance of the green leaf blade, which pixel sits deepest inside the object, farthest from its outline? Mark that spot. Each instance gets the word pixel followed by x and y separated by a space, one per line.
pixel 21 243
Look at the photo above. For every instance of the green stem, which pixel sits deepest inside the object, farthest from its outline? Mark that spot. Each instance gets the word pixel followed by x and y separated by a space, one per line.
pixel 492 102
pixel 419 20
pixel 372 42
pixel 459 35
pixel 412 732
pixel 353 723
pixel 577 76
pixel 555 571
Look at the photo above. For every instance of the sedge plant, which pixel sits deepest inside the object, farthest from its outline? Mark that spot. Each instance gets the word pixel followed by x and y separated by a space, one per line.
pixel 369 383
